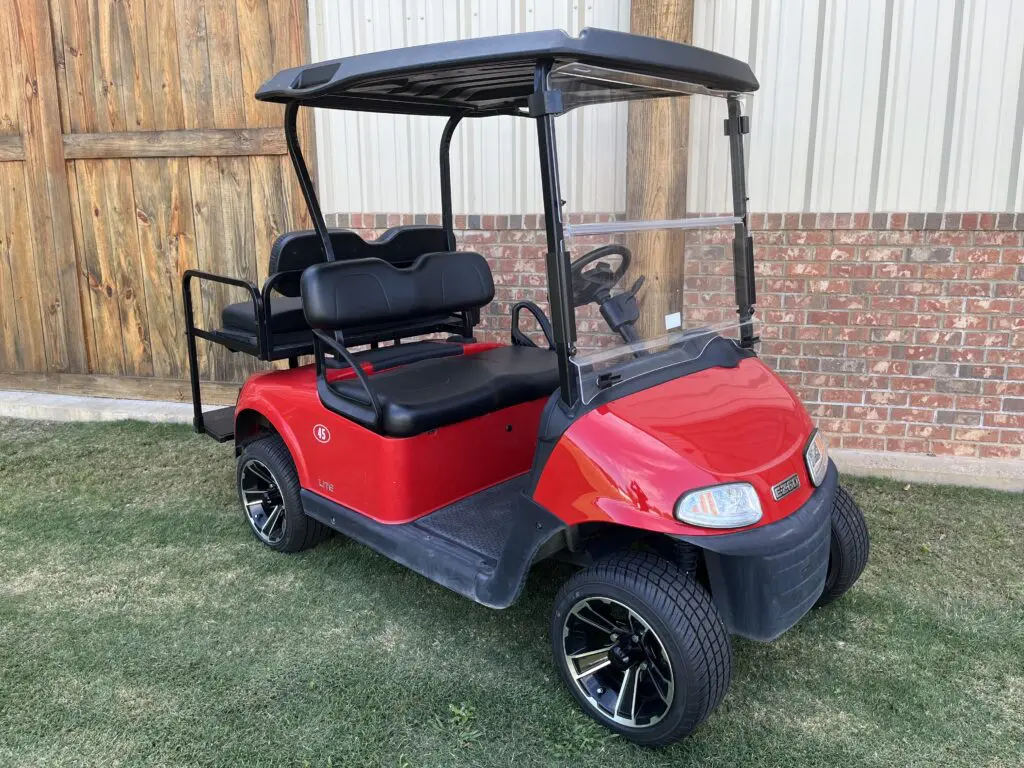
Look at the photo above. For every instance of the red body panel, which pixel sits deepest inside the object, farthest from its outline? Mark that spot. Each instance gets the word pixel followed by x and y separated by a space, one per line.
pixel 628 462
pixel 392 480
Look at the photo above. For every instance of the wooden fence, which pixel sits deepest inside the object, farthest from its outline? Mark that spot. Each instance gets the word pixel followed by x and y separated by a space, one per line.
pixel 131 149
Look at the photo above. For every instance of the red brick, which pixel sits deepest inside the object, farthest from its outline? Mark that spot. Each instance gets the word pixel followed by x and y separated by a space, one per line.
pixel 947 448
pixel 861 442
pixel 809 237
pixel 840 426
pixel 897 270
pixel 918 415
pixel 943 271
pixel 930 400
pixel 906 446
pixel 949 237
pixel 807 268
pixel 981 306
pixel 929 431
pixel 886 398
pixel 993 272
pixel 846 269
pixel 892 303
pixel 998 238
pixel 986 339
pixel 976 435
pixel 1010 420
pixel 854 237
pixel 872 318
pixel 841 396
pixel 999 452
pixel 886 428
pixel 867 413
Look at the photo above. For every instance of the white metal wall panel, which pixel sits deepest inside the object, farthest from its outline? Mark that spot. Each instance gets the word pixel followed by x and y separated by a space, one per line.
pixel 385 163
pixel 864 105
pixel 871 104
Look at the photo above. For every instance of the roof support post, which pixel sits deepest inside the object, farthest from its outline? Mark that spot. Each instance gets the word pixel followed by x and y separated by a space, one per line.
pixel 743 244
pixel 559 282
pixel 447 218
pixel 291 135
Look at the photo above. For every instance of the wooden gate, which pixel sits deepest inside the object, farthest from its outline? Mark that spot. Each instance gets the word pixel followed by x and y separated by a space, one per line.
pixel 131 149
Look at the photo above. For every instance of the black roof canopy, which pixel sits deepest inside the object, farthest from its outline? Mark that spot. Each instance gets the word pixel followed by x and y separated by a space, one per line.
pixel 495 75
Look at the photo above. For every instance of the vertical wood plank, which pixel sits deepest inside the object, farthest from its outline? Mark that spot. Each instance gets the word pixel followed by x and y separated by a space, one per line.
pixel 165 75
pixel 194 64
pixel 84 290
pixel 126 268
pixel 98 260
pixel 167 245
pixel 208 216
pixel 132 35
pixel 9 341
pixel 17 259
pixel 50 211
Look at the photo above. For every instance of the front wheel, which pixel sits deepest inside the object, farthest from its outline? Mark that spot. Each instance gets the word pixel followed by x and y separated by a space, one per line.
pixel 641 647
pixel 848 550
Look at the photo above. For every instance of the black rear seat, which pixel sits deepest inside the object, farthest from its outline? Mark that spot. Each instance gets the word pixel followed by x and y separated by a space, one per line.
pixel 293 252
pixel 431 393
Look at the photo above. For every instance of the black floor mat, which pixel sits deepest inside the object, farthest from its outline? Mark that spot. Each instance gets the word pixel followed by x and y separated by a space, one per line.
pixel 481 522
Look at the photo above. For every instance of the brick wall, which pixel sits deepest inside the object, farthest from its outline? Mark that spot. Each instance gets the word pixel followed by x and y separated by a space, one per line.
pixel 900 331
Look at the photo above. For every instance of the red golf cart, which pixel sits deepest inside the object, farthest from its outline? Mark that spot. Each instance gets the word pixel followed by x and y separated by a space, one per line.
pixel 676 469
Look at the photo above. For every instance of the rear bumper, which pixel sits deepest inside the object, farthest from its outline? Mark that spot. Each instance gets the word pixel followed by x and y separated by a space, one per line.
pixel 764 580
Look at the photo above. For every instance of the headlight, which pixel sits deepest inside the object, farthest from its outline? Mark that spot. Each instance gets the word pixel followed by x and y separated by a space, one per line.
pixel 816 456
pixel 723 506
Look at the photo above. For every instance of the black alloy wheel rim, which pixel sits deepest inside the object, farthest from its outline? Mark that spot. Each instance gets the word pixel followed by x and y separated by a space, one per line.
pixel 264 505
pixel 618 662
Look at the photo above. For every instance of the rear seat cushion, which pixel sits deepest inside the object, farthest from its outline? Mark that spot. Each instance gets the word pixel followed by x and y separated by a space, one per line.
pixel 286 316
pixel 434 393
pixel 398 245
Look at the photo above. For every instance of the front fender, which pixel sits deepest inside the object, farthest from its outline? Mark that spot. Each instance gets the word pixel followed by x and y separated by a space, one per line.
pixel 628 461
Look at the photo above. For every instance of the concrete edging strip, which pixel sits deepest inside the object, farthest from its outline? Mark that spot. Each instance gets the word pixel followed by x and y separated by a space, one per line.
pixel 999 474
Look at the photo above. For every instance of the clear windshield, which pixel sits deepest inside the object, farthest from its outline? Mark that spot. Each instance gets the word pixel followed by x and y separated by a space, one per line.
pixel 653 279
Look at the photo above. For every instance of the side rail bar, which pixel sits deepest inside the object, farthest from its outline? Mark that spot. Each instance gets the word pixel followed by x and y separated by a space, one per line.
pixel 191 332
pixel 331 400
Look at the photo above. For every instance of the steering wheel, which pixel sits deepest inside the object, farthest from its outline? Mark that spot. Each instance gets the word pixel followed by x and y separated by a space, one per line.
pixel 589 285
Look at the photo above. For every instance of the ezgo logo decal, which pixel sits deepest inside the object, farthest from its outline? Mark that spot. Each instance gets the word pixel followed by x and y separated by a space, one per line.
pixel 322 433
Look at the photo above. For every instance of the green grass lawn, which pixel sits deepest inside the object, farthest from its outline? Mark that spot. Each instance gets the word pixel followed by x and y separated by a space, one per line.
pixel 141 624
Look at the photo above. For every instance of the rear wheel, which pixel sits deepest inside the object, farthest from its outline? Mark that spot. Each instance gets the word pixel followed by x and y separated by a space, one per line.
pixel 268 487
pixel 848 551
pixel 641 647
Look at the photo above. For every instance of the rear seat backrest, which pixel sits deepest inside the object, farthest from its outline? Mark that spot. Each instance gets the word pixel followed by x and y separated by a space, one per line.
pixel 399 246
pixel 345 295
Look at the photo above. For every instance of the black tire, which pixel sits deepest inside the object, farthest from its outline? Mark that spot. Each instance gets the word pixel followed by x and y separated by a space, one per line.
pixel 687 627
pixel 297 531
pixel 848 552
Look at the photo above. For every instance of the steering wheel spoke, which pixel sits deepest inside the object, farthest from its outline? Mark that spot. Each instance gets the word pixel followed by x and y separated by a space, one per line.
pixel 595 284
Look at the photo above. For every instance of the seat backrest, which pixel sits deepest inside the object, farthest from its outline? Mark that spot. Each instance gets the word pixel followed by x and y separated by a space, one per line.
pixel 346 295
pixel 399 246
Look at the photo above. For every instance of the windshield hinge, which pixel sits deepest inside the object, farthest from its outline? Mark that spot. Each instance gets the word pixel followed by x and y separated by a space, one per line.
pixel 546 102
pixel 738 125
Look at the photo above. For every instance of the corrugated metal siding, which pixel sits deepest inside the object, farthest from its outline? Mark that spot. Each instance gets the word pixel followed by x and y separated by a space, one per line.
pixel 865 105
pixel 872 104
pixel 387 163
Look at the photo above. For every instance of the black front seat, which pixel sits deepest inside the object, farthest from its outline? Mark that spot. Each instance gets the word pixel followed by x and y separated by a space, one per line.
pixel 429 394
